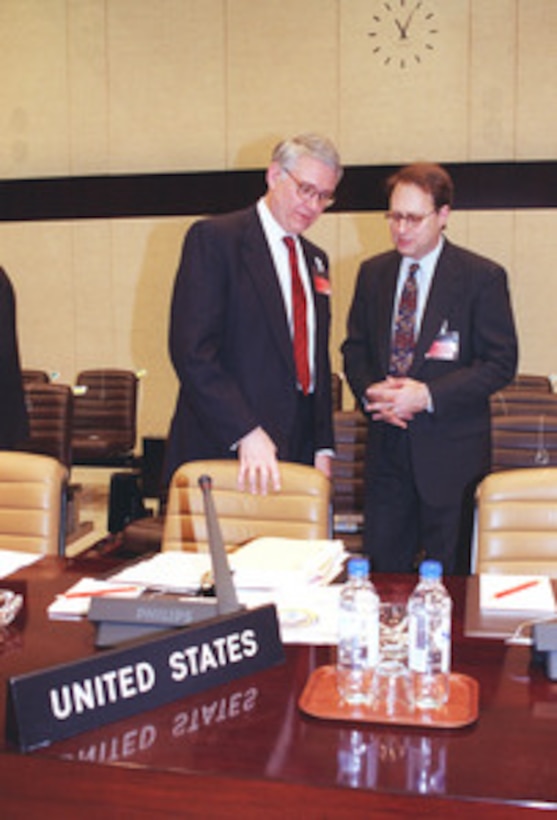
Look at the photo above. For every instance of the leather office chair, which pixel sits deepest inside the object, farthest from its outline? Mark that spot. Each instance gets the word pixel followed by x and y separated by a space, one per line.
pixel 348 476
pixel 516 522
pixel 50 410
pixel 32 503
pixel 104 418
pixel 300 510
pixel 40 376
pixel 523 440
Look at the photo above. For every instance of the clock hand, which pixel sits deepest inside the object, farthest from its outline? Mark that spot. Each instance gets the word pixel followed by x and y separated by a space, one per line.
pixel 404 28
pixel 401 28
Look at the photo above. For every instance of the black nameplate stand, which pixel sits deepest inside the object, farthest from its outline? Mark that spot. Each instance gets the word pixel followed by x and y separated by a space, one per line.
pixel 62 701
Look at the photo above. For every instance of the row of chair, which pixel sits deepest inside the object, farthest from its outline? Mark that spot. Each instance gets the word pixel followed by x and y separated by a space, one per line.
pixel 93 422
pixel 32 501
pixel 347 487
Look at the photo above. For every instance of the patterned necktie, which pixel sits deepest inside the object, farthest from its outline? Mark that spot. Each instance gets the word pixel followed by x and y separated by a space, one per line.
pixel 402 348
pixel 299 320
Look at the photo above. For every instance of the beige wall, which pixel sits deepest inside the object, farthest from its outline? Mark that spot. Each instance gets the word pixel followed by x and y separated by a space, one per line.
pixel 132 86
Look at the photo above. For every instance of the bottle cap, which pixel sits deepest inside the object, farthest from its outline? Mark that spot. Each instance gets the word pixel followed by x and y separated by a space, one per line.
pixel 358 567
pixel 433 570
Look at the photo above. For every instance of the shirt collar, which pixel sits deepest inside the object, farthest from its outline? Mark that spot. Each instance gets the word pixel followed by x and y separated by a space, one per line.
pixel 428 262
pixel 273 231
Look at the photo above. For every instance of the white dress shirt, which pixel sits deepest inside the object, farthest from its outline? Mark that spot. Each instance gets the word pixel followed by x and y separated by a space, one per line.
pixel 424 277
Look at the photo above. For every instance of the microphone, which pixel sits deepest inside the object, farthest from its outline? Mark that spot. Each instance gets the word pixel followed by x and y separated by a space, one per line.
pixel 227 600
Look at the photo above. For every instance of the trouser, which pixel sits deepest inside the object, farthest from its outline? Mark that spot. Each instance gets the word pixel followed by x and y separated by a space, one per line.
pixel 400 528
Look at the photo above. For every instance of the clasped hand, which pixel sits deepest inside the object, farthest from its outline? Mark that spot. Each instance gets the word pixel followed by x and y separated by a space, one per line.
pixel 396 400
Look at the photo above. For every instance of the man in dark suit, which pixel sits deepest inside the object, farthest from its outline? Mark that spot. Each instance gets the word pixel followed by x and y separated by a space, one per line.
pixel 425 375
pixel 232 325
pixel 13 415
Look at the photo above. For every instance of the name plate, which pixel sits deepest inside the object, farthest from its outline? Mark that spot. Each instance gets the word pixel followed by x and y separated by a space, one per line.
pixel 62 701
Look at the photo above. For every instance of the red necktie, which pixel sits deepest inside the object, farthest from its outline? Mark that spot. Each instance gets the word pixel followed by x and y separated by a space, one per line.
pixel 402 348
pixel 299 320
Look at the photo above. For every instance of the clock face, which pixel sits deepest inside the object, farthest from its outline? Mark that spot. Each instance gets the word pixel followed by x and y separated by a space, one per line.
pixel 403 32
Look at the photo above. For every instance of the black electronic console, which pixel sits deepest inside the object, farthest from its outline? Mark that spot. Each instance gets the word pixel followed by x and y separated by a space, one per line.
pixel 544 646
pixel 125 619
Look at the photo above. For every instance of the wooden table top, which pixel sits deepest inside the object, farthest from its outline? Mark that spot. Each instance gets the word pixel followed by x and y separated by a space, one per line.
pixel 247 745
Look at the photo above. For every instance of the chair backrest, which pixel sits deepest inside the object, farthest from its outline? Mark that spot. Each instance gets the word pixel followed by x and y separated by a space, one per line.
pixel 29 375
pixel 350 428
pixel 516 524
pixel 50 410
pixel 32 494
pixel 105 416
pixel 514 401
pixel 531 381
pixel 299 510
pixel 523 440
pixel 336 386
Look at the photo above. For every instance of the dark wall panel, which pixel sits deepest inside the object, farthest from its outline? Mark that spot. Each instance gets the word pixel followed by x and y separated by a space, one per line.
pixel 479 186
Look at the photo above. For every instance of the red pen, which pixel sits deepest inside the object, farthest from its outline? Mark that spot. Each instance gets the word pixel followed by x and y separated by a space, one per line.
pixel 97 593
pixel 519 588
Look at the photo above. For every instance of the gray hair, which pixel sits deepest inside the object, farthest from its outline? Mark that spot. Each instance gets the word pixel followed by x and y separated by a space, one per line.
pixel 289 151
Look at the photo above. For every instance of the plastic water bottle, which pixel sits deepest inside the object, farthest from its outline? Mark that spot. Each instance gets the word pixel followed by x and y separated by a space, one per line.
pixel 358 634
pixel 429 638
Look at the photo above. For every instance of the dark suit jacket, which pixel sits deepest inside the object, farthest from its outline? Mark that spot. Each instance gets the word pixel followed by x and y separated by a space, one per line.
pixel 231 346
pixel 451 446
pixel 13 415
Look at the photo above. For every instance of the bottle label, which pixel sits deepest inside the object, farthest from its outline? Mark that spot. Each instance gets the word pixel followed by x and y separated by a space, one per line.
pixel 429 645
pixel 359 639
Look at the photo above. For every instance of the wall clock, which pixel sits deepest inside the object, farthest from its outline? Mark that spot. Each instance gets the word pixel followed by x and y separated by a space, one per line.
pixel 404 32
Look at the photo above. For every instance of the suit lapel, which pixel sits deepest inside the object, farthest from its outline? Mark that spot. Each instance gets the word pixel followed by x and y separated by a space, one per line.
pixel 258 263
pixel 386 299
pixel 443 292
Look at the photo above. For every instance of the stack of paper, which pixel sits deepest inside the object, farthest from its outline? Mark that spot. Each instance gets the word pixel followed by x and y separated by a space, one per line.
pixel 264 563
pixel 516 593
pixel 12 560
pixel 305 615
pixel 74 602
pixel 281 563
pixel 173 571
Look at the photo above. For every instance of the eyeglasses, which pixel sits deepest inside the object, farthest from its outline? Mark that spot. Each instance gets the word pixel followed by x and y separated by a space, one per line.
pixel 412 220
pixel 307 191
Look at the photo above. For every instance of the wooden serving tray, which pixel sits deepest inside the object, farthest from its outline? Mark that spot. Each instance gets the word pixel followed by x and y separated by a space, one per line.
pixel 320 699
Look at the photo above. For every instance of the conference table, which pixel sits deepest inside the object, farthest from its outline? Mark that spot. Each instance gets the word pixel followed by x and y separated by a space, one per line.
pixel 245 749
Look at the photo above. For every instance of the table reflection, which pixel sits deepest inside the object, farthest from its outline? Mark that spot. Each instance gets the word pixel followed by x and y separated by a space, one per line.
pixel 371 759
